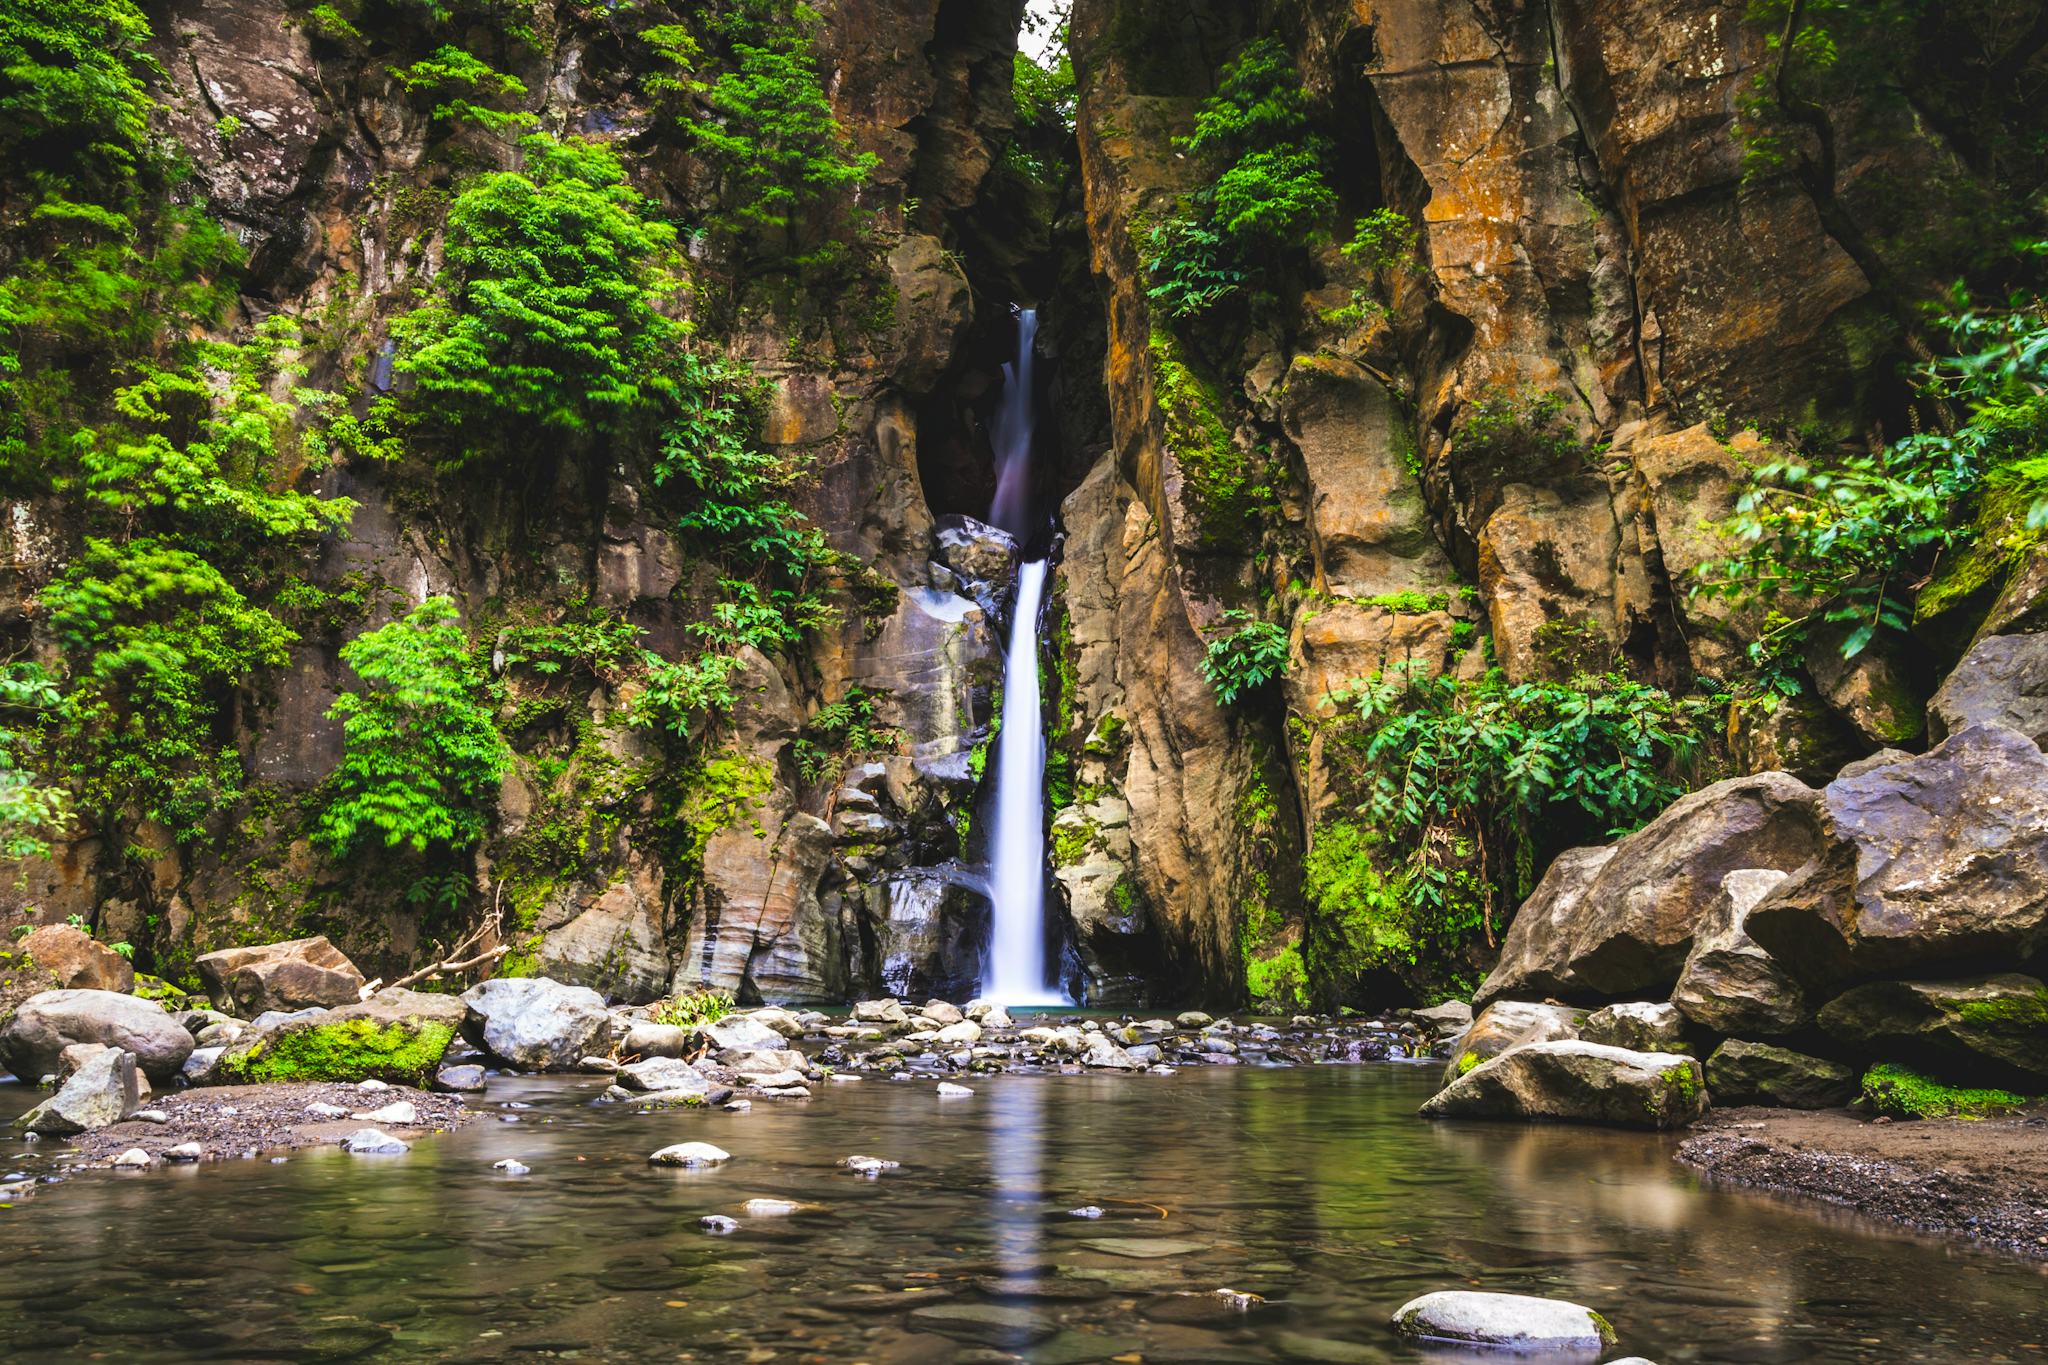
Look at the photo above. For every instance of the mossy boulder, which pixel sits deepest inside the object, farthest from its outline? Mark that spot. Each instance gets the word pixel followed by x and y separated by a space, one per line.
pixel 1758 1073
pixel 1577 1082
pixel 1991 1028
pixel 395 1035
pixel 1902 1093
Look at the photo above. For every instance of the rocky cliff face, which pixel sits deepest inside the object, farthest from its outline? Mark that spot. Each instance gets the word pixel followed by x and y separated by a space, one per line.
pixel 1512 458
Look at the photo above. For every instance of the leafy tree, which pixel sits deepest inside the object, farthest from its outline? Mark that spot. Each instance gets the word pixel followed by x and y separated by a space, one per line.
pixel 467 88
pixel 1241 660
pixel 421 759
pixel 546 319
pixel 1268 197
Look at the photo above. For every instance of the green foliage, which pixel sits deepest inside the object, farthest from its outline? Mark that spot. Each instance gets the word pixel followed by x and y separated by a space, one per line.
pixel 1509 435
pixel 1277 982
pixel 400 1052
pixel 1847 543
pixel 31 813
pixel 1240 660
pixel 1906 1094
pixel 783 167
pixel 545 320
pixel 589 641
pixel 842 732
pixel 693 1008
pixel 421 759
pixel 1267 196
pixel 1045 95
pixel 1229 486
pixel 155 637
pixel 1370 919
pixel 466 87
pixel 1489 762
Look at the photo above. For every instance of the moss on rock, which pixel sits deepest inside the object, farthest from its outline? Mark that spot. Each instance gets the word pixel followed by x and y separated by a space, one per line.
pixel 402 1052
pixel 1905 1094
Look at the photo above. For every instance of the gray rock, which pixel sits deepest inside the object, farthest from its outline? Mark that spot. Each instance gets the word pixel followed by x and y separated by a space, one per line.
pixel 1639 1026
pixel 1741 1072
pixel 668 1075
pixel 1729 984
pixel 46 1024
pixel 741 1033
pixel 950 1091
pixel 1940 859
pixel 647 1039
pixel 1509 1023
pixel 194 1021
pixel 718 1224
pixel 134 1159
pixel 690 1155
pixel 1619 922
pixel 1192 1019
pixel 886 1011
pixel 198 1068
pixel 942 1014
pixel 511 1166
pixel 1577 1082
pixel 399 1114
pixel 280 976
pixel 536 1024
pixel 1451 1017
pixel 993 1323
pixel 320 1110
pixel 1514 1322
pixel 2003 680
pixel 1989 1027
pixel 271 1019
pixel 372 1142
pixel 185 1151
pixel 71 959
pixel 869 1166
pixel 460 1080
pixel 101 1092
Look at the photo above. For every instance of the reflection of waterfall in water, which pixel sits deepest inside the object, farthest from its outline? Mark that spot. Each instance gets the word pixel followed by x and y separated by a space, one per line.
pixel 1015 973
pixel 1016 1159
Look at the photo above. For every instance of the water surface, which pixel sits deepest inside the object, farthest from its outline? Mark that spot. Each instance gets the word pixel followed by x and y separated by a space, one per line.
pixel 1316 1188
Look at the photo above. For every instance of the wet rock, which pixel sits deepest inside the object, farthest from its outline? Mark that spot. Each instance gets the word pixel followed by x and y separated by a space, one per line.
pixel 783 1021
pixel 880 1012
pixel 690 1155
pixel 198 1068
pixel 597 1066
pixel 511 1166
pixel 1509 1023
pixel 372 1142
pixel 134 1159
pixel 942 1014
pixel 982 557
pixel 770 1208
pixel 659 1040
pixel 271 1019
pixel 1939 859
pixel 280 976
pixel 1742 1072
pixel 46 1024
pixel 2003 680
pixel 1450 1018
pixel 869 1166
pixel 718 1224
pixel 950 1091
pixel 1192 1019
pixel 668 1075
pixel 741 1033
pixel 1577 1082
pixel 989 1016
pixel 460 1080
pixel 1620 921
pixel 1103 1053
pixel 1640 1026
pixel 1874 691
pixel 536 1024
pixel 995 1324
pixel 1993 1027
pixel 102 1091
pixel 954 1035
pixel 75 960
pixel 1729 984
pixel 1514 1322
pixel 185 1151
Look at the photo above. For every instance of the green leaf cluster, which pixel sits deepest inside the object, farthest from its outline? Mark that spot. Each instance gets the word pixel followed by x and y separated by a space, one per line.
pixel 1245 656
pixel 421 758
pixel 31 811
pixel 1268 196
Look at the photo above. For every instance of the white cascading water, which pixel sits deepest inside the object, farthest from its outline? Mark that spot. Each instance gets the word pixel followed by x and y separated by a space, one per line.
pixel 1016 963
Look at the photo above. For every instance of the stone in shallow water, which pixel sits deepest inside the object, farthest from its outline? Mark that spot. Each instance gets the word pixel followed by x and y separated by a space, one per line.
pixel 994 1324
pixel 399 1113
pixel 184 1151
pixel 869 1166
pixel 950 1091
pixel 132 1159
pixel 372 1142
pixel 459 1079
pixel 690 1155
pixel 1145 1248
pixel 718 1223
pixel 1515 1322
pixel 511 1166
pixel 1086 1211
pixel 770 1208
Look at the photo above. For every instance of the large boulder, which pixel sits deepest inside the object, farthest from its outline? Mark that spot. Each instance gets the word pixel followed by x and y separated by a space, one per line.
pixel 46 1024
pixel 1938 859
pixel 1509 1023
pixel 396 1036
pixel 102 1091
pixel 741 1033
pixel 1758 1073
pixel 2003 680
pixel 1640 1026
pixel 536 1024
pixel 1577 1082
pixel 1729 984
pixel 1600 928
pixel 1995 1027
pixel 75 960
pixel 298 974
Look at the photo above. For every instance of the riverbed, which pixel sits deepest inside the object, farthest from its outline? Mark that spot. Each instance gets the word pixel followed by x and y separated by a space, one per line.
pixel 1314 1188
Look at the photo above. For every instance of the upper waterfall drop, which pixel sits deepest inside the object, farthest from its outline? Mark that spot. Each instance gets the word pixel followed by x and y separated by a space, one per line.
pixel 1016 970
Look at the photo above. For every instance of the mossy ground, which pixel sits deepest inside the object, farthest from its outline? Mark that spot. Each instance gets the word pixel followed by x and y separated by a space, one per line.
pixel 404 1053
pixel 1899 1093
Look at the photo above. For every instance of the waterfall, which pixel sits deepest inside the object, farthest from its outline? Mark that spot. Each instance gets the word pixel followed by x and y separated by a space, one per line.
pixel 1015 973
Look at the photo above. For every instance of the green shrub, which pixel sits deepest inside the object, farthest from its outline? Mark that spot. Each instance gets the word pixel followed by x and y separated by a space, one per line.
pixel 1906 1094
pixel 420 757
pixel 466 87
pixel 705 1006
pixel 1244 657
pixel 31 812
pixel 1266 199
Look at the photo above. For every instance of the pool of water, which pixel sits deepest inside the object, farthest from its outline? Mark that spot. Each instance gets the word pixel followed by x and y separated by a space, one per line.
pixel 1315 1188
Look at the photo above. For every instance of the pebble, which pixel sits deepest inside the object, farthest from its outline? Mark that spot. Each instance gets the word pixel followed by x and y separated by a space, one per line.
pixel 511 1166
pixel 132 1159
pixel 326 1111
pixel 869 1166
pixel 690 1155
pixel 738 1106
pixel 150 1116
pixel 718 1223
pixel 184 1151
pixel 372 1084
pixel 950 1091
pixel 770 1208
